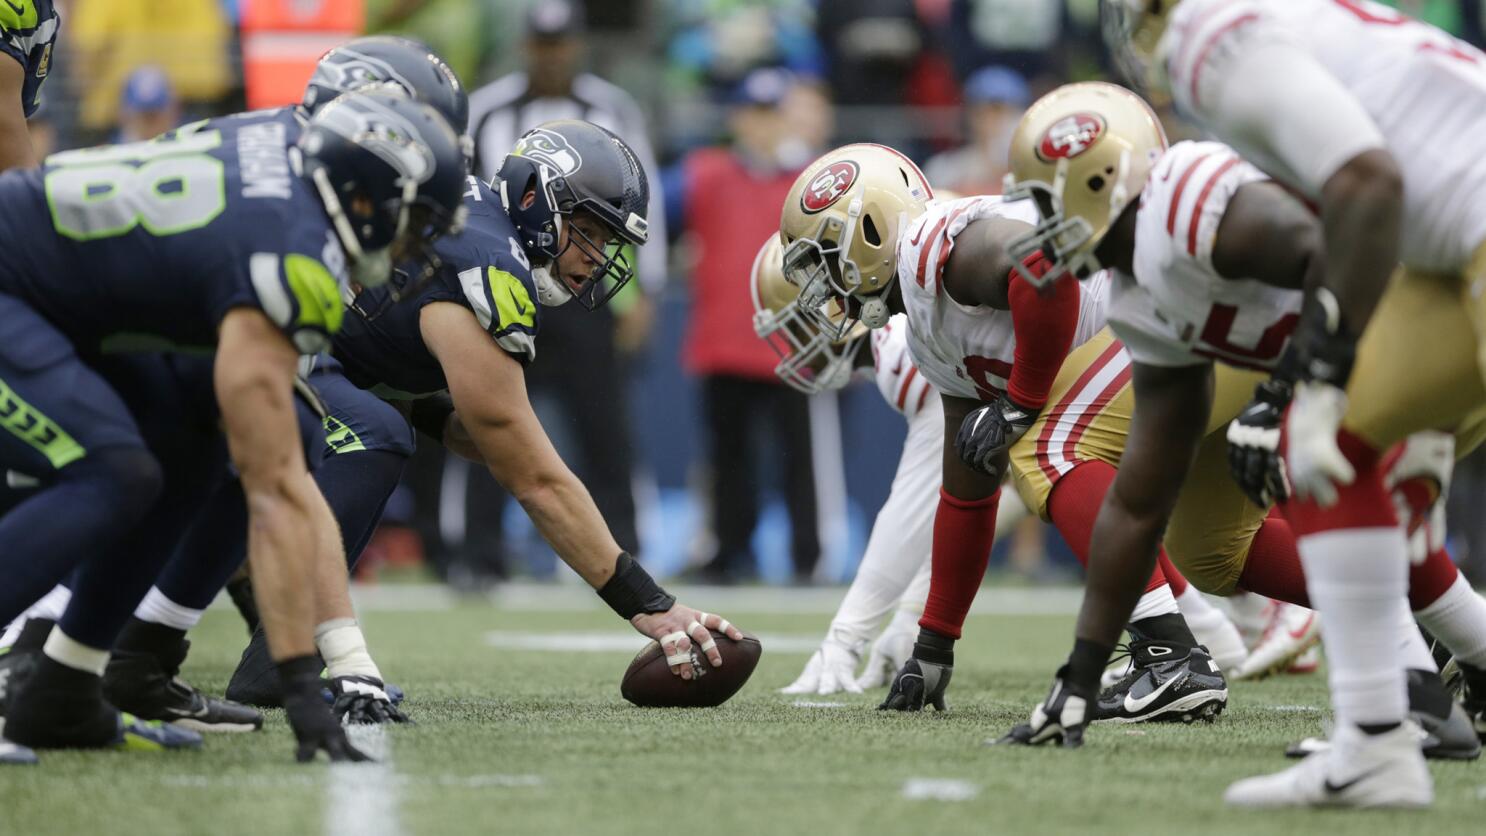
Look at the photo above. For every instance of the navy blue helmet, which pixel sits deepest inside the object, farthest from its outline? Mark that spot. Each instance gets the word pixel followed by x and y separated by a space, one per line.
pixel 569 166
pixel 389 170
pixel 386 59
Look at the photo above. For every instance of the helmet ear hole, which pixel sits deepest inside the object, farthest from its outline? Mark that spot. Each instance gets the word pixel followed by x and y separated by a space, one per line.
pixel 1096 183
pixel 869 231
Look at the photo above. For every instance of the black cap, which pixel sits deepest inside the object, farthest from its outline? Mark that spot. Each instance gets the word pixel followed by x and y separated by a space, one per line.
pixel 554 19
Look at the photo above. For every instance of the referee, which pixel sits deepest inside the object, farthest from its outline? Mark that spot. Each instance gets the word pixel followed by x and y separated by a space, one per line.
pixel 580 361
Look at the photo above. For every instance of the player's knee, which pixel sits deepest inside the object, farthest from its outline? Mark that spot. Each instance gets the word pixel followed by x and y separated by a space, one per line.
pixel 130 476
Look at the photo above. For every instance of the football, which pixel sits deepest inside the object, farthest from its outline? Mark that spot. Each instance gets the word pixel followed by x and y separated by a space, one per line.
pixel 649 683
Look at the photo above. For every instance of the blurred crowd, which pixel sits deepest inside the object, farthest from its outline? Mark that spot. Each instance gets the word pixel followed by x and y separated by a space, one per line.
pixel 664 402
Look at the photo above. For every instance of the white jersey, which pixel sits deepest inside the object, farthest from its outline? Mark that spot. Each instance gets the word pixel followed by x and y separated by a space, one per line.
pixel 897 378
pixel 1177 310
pixel 1299 87
pixel 967 351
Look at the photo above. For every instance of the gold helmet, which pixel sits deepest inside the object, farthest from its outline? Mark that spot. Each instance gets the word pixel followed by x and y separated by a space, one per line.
pixel 809 360
pixel 840 231
pixel 1132 31
pixel 1081 153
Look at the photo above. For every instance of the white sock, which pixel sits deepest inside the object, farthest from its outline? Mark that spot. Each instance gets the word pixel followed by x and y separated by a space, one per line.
pixel 344 647
pixel 1458 619
pixel 1158 601
pixel 1412 649
pixel 1194 605
pixel 51 606
pixel 74 654
pixel 1357 578
pixel 158 609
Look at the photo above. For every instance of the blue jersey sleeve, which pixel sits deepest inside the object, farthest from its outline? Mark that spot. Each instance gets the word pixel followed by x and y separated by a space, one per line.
pixel 300 291
pixel 487 271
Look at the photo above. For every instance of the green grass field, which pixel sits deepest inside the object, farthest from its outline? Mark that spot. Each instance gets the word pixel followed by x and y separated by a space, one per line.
pixel 527 741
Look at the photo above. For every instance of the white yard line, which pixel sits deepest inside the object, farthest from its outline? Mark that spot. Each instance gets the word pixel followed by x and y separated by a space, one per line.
pixel 620 640
pixel 939 789
pixel 361 798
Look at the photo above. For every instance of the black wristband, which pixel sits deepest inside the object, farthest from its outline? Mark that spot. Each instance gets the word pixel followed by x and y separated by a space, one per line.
pixel 1085 666
pixel 631 591
pixel 934 647
pixel 300 674
pixel 430 415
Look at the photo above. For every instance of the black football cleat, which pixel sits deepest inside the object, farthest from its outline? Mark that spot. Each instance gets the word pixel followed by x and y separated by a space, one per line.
pixel 150 688
pixel 1442 726
pixel 1473 696
pixel 63 708
pixel 1168 683
pixel 256 680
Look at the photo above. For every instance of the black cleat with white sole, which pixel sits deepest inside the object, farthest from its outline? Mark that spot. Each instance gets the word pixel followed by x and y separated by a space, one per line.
pixel 1442 726
pixel 149 687
pixel 1168 683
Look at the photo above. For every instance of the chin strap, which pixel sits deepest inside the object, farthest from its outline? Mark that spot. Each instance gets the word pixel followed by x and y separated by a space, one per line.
pixel 550 291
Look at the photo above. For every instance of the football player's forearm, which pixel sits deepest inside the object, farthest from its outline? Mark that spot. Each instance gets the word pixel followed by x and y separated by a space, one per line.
pixel 15 138
pixel 1361 213
pixel 280 538
pixel 332 588
pixel 567 518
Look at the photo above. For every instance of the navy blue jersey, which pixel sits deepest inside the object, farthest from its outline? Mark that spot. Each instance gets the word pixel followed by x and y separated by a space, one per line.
pixel 28 30
pixel 151 243
pixel 483 269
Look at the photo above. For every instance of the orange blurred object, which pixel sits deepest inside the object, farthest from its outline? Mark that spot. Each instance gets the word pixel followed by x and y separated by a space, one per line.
pixel 283 39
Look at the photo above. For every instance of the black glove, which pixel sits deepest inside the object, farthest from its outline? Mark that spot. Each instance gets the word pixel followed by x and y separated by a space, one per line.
pixel 1254 444
pixel 987 433
pixel 314 726
pixel 1061 718
pixel 363 700
pixel 917 684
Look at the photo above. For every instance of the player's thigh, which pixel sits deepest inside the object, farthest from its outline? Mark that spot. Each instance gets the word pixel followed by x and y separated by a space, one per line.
pixel 1416 363
pixel 357 420
pixel 54 408
pixel 1213 523
pixel 1087 419
pixel 1233 388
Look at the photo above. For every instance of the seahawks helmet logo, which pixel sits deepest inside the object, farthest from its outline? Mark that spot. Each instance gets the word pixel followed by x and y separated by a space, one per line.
pixel 345 70
pixel 550 149
pixel 382 131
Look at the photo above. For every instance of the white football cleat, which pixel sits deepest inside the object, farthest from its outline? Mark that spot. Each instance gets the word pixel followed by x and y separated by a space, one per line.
pixel 831 669
pixel 1359 770
pixel 1291 632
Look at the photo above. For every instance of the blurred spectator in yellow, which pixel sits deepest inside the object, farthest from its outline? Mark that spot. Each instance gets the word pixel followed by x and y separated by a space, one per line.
pixel 188 39
pixel 994 100
pixel 148 106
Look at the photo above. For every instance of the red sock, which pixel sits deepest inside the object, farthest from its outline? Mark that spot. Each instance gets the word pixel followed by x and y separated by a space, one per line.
pixel 1272 567
pixel 1430 579
pixel 1074 504
pixel 1363 504
pixel 964 531
pixel 1177 580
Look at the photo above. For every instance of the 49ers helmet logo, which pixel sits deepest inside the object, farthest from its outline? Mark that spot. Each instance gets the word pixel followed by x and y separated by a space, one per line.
pixel 828 186
pixel 1070 136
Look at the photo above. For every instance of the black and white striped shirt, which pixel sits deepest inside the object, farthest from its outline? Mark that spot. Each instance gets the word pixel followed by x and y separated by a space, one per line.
pixel 504 109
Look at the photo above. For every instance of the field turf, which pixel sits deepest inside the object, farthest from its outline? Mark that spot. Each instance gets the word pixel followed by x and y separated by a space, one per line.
pixel 537 741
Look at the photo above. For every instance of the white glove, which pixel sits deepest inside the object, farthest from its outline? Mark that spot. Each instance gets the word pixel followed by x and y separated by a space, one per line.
pixel 831 669
pixel 889 652
pixel 1424 463
pixel 1313 460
